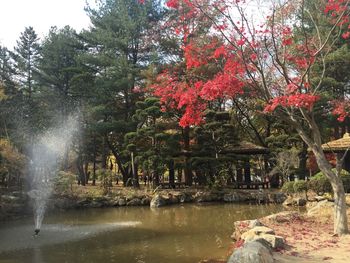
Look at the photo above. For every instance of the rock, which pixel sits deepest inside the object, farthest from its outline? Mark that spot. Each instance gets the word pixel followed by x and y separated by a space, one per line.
pixel 300 201
pixel 158 201
pixel 122 201
pixel 145 201
pixel 256 231
pixel 134 202
pixel 243 226
pixel 279 197
pixel 282 217
pixel 288 201
pixel 251 252
pixel 273 240
pixel 321 207
pixel 232 197
pixel 205 197
pixel 185 198
pixel 319 198
pixel 297 201
pixel 96 204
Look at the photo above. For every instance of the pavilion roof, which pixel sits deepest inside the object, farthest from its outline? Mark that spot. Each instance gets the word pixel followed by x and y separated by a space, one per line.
pixel 245 147
pixel 338 145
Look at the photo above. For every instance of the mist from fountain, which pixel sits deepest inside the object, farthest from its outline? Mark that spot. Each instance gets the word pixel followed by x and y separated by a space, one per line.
pixel 47 153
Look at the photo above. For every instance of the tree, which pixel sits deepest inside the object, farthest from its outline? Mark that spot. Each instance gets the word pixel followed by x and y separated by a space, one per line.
pixel 120 44
pixel 26 55
pixel 279 66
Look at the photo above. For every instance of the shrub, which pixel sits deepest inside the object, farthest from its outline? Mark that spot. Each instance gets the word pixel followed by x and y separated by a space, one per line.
pixel 64 183
pixel 288 187
pixel 300 186
pixel 320 184
pixel 106 178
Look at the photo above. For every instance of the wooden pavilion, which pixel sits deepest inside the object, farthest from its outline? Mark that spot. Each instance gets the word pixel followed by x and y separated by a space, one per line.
pixel 340 146
pixel 243 172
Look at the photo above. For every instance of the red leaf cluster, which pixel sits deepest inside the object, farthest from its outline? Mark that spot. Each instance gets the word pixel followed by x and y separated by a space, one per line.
pixel 339 11
pixel 298 100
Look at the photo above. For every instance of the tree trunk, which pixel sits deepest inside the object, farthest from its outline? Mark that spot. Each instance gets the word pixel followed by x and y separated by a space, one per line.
pixel 188 171
pixel 171 173
pixel 315 144
pixel 134 169
pixel 340 215
pixel 302 162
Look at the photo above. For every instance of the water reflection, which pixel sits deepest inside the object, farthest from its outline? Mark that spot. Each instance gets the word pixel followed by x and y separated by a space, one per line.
pixel 171 234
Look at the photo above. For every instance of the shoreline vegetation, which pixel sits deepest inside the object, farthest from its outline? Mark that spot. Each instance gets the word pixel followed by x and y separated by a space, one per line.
pixel 17 204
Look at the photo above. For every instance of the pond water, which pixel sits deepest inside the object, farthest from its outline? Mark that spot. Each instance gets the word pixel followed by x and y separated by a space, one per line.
pixel 172 234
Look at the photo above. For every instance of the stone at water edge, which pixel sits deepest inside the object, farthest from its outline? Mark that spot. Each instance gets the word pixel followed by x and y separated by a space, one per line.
pixel 158 201
pixel 243 226
pixel 134 202
pixel 122 201
pixel 252 252
pixel 272 240
pixel 257 231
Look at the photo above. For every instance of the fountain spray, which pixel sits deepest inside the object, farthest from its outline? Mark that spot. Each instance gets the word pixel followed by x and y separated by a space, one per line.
pixel 47 154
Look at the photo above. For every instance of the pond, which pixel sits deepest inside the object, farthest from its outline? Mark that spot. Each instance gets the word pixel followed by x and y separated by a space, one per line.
pixel 172 234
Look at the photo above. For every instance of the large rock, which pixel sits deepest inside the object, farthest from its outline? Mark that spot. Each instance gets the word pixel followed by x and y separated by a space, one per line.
pixel 158 201
pixel 252 252
pixel 146 201
pixel 122 201
pixel 256 231
pixel 282 217
pixel 243 226
pixel 272 240
pixel 278 197
pixel 322 207
pixel 134 202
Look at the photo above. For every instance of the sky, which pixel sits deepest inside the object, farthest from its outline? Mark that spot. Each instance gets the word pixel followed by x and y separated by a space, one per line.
pixel 15 15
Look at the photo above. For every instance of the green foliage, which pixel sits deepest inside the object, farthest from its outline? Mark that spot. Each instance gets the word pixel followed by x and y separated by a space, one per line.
pixel 12 162
pixel 288 187
pixel 292 187
pixel 106 178
pixel 63 183
pixel 300 186
pixel 320 184
pixel 343 173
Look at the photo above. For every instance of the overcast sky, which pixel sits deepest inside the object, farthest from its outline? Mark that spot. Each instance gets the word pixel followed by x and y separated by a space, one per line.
pixel 15 15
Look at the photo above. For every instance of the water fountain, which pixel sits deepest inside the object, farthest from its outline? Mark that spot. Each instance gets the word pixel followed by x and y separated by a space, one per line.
pixel 46 155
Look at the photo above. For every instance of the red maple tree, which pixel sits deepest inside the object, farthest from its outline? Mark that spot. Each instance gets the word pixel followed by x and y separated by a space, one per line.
pixel 273 57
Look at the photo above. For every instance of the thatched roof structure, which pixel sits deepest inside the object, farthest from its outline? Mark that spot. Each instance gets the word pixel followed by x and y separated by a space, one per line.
pixel 339 145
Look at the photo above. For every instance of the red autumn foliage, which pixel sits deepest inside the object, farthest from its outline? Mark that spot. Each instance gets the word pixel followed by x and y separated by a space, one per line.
pixel 241 52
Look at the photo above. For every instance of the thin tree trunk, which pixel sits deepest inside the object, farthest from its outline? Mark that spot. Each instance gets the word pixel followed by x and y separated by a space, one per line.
pixel 171 173
pixel 340 215
pixel 315 144
pixel 188 171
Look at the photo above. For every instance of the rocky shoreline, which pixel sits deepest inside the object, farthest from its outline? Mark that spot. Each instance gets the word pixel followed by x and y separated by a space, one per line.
pixel 17 204
pixel 288 236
